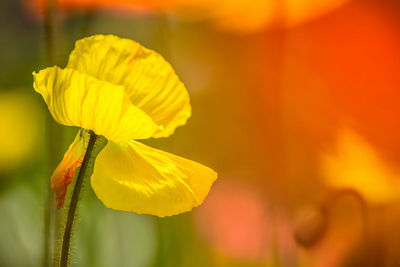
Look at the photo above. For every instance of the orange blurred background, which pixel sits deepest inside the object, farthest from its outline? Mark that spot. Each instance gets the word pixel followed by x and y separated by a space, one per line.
pixel 295 105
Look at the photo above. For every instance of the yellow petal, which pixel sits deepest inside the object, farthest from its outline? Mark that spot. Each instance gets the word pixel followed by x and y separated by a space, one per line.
pixel 147 78
pixel 77 99
pixel 65 171
pixel 135 177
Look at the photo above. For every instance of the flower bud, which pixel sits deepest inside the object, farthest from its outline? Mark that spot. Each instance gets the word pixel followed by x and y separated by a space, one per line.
pixel 310 226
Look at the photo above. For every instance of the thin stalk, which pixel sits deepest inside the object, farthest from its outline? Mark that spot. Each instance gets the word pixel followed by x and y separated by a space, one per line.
pixel 88 19
pixel 54 135
pixel 95 145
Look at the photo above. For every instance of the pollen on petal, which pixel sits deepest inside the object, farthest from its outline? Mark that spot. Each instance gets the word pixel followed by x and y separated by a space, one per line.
pixel 65 171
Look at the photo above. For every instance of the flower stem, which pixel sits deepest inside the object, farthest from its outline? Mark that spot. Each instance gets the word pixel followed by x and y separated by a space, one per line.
pixel 95 145
pixel 51 26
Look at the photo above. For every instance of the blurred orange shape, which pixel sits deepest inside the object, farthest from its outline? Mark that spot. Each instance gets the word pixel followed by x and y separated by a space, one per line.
pixel 358 64
pixel 250 16
pixel 299 11
pixel 116 4
pixel 355 164
pixel 237 15
pixel 233 220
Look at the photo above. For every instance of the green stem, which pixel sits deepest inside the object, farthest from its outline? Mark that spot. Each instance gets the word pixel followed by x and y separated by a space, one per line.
pixel 96 144
pixel 54 134
pixel 47 229
pixel 50 30
pixel 88 18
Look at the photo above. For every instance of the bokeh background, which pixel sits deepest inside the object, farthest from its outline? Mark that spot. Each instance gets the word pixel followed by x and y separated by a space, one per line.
pixel 296 105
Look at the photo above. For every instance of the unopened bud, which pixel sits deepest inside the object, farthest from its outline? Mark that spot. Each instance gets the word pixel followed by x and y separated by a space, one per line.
pixel 310 226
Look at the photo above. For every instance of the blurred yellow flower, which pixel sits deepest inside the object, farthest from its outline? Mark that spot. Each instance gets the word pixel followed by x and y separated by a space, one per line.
pixel 21 123
pixel 356 164
pixel 124 92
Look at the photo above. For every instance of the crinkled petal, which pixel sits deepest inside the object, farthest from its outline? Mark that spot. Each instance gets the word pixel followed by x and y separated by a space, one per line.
pixel 77 99
pixel 135 177
pixel 65 171
pixel 147 78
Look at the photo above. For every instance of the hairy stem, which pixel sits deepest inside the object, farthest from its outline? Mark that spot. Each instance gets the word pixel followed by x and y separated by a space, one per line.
pixel 95 145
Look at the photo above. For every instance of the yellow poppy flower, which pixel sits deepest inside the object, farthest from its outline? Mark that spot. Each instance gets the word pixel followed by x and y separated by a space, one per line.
pixel 118 89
